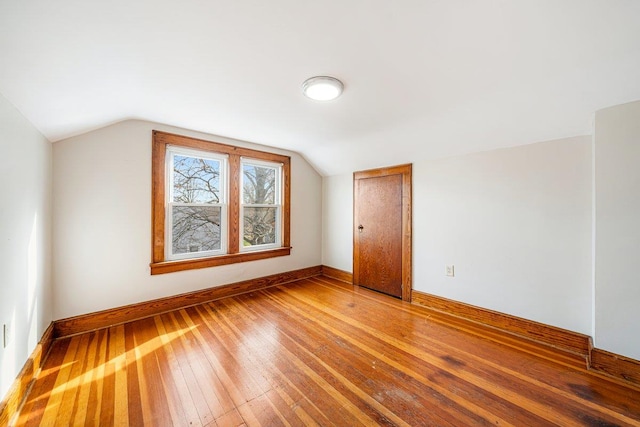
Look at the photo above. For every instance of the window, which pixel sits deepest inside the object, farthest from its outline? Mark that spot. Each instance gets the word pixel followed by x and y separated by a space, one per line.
pixel 216 204
pixel 260 204
pixel 196 204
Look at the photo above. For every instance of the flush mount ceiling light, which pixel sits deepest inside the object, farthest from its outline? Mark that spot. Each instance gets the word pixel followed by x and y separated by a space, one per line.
pixel 322 88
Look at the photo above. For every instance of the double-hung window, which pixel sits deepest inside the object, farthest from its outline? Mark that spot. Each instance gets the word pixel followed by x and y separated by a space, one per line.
pixel 260 209
pixel 216 204
pixel 196 205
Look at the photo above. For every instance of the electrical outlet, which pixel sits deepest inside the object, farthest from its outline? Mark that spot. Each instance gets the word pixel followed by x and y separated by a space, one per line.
pixel 6 334
pixel 449 271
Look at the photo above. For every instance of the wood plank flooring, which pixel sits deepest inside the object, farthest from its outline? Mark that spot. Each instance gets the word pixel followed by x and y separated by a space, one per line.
pixel 314 352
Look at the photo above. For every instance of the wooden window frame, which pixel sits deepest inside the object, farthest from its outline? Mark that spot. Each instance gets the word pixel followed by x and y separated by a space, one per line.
pixel 159 264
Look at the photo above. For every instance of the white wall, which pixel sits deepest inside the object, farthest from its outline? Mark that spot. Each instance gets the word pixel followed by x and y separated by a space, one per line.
pixel 337 222
pixel 617 239
pixel 516 223
pixel 102 223
pixel 25 239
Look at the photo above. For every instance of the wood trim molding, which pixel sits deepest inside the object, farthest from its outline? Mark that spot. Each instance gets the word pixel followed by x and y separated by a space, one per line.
pixel 204 144
pixel 407 224
pixel 119 315
pixel 233 243
pixel 16 394
pixel 617 366
pixel 191 264
pixel 550 335
pixel 611 364
pixel 160 141
pixel 337 274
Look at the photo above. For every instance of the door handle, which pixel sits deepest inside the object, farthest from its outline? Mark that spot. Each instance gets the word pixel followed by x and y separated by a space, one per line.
pixel 360 228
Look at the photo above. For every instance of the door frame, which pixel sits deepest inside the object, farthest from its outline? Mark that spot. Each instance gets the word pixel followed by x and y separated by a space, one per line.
pixel 405 171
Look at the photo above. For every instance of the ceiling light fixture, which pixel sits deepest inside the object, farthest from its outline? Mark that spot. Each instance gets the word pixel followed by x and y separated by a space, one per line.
pixel 322 88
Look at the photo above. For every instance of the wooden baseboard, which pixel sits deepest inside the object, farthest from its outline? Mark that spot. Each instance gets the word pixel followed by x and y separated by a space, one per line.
pixel 103 319
pixel 12 401
pixel 614 365
pixel 550 335
pixel 611 364
pixel 337 274
pixel 617 366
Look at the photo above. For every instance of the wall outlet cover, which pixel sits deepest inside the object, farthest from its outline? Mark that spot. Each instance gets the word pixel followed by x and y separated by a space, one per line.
pixel 449 271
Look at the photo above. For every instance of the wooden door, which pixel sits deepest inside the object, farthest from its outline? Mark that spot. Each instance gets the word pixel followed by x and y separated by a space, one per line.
pixel 382 230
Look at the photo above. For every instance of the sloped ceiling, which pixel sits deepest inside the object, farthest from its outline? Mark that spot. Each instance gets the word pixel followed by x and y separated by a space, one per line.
pixel 422 79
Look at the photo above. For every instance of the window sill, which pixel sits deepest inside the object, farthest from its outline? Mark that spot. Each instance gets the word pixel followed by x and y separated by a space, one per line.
pixel 194 263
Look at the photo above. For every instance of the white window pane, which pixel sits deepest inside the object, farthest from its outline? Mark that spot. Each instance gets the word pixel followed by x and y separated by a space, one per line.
pixel 258 185
pixel 259 226
pixel 195 228
pixel 196 180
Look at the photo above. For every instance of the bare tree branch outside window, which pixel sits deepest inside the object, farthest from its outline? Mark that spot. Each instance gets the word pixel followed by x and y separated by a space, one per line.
pixel 196 183
pixel 259 189
pixel 196 180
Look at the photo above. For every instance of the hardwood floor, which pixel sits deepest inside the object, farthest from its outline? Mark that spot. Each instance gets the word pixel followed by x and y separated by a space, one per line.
pixel 315 352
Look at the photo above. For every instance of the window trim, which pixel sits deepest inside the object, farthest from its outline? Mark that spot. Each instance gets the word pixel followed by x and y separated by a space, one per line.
pixel 159 263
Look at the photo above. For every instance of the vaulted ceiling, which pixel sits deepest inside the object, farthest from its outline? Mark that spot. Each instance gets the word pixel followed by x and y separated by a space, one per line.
pixel 423 78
